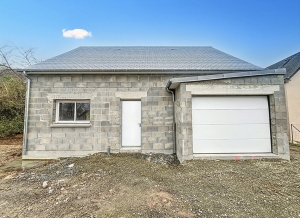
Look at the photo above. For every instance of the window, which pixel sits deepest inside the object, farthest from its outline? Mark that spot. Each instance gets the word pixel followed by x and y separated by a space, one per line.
pixel 72 111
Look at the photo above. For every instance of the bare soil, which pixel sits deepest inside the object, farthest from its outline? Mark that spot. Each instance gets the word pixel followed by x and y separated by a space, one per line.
pixel 137 185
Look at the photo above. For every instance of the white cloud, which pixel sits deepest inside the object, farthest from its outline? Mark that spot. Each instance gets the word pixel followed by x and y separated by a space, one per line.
pixel 76 33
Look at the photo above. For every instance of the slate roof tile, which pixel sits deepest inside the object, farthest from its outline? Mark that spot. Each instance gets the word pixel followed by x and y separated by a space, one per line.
pixel 291 63
pixel 143 58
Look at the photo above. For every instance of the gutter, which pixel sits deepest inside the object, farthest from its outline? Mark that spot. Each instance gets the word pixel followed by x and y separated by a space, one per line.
pixel 129 71
pixel 26 114
pixel 174 123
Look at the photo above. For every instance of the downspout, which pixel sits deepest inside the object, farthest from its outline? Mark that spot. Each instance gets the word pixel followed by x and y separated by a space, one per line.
pixel 26 114
pixel 174 123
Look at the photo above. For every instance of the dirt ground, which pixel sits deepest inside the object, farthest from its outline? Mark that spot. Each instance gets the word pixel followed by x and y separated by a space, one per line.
pixel 136 185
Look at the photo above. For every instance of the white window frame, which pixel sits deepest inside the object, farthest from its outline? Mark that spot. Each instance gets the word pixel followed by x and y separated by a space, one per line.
pixel 70 101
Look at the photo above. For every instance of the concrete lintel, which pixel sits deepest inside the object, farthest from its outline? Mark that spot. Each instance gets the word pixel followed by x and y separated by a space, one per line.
pixel 131 95
pixel 232 89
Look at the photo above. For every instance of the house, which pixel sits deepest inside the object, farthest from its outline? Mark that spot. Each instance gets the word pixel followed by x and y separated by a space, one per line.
pixel 197 102
pixel 292 92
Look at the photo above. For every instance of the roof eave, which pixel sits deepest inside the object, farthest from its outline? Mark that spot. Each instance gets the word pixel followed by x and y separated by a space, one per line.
pixel 130 71
pixel 173 83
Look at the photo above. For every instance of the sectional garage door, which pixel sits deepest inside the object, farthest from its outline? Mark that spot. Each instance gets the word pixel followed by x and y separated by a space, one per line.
pixel 231 124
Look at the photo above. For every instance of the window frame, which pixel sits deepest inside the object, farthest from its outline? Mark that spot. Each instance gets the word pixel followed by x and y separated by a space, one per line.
pixel 68 121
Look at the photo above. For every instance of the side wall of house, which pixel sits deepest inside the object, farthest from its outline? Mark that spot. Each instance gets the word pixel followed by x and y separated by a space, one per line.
pixel 105 93
pixel 271 86
pixel 292 89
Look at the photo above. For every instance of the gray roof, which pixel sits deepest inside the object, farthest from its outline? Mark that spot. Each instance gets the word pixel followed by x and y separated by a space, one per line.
pixel 143 58
pixel 292 65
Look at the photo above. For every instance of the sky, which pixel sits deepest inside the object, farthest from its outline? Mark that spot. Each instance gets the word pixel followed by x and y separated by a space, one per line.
pixel 261 32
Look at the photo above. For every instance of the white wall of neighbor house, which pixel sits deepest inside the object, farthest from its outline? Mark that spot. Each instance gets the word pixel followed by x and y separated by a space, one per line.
pixel 292 91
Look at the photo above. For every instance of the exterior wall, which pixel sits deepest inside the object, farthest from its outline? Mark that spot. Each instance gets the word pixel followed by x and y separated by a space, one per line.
pixel 272 86
pixel 292 89
pixel 105 93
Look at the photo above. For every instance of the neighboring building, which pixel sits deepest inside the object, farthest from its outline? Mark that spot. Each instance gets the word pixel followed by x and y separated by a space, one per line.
pixel 292 91
pixel 195 101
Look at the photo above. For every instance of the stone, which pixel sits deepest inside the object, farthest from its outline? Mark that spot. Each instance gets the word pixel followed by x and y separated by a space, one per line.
pixel 45 184
pixel 71 165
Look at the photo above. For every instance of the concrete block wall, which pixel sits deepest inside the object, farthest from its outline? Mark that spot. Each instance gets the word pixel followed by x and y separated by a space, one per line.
pixel 257 85
pixel 44 140
pixel 183 119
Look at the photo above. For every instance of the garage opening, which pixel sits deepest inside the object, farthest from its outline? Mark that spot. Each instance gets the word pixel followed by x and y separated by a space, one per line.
pixel 231 124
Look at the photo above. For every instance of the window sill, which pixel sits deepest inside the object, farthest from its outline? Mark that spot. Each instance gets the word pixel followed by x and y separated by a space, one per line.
pixel 59 125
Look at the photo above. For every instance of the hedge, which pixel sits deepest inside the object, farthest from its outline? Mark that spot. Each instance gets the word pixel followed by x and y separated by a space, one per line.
pixel 12 105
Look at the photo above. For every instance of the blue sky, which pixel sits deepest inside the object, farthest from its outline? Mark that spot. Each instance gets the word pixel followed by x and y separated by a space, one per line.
pixel 260 32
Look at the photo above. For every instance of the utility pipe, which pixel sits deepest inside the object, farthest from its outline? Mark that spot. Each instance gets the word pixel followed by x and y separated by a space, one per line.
pixel 26 114
pixel 174 123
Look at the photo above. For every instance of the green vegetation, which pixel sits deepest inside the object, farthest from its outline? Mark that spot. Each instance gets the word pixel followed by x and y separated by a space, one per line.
pixel 12 105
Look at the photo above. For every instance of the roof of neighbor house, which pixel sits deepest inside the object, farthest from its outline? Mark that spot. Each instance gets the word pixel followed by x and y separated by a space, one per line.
pixel 143 58
pixel 292 65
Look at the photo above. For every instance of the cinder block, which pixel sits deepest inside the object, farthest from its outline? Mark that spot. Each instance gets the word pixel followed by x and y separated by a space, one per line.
pixel 51 147
pixel 32 135
pixel 87 78
pixel 39 147
pixel 76 78
pixel 147 146
pixel 44 135
pixel 56 140
pixel 45 140
pixel 63 147
pixel 68 140
pixel 74 147
pixel 58 84
pixel 157 146
pixel 66 78
pixel 81 84
pixel 86 147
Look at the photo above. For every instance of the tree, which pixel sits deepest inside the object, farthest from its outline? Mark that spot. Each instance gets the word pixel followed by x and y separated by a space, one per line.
pixel 13 58
pixel 13 88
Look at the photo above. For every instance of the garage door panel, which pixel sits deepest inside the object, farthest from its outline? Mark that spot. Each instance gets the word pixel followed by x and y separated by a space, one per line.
pixel 231 124
pixel 249 131
pixel 230 102
pixel 225 116
pixel 232 146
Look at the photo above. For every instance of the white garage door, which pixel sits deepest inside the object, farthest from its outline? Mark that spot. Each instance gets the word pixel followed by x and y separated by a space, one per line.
pixel 231 124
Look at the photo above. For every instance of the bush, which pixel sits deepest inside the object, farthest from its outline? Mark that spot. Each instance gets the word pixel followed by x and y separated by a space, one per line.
pixel 12 105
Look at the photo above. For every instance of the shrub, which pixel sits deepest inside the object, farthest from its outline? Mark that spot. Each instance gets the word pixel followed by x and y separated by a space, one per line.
pixel 12 105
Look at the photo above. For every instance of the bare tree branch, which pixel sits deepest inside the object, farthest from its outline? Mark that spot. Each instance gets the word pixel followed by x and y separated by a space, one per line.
pixel 12 58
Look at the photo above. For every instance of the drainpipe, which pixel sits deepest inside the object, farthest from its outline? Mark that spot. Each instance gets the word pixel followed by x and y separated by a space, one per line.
pixel 174 123
pixel 26 114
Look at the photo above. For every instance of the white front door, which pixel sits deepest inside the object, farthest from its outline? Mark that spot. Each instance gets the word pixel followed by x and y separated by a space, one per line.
pixel 131 123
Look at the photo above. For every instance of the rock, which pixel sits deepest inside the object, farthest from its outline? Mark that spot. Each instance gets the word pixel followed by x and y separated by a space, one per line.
pixel 71 165
pixel 50 191
pixel 78 197
pixel 45 184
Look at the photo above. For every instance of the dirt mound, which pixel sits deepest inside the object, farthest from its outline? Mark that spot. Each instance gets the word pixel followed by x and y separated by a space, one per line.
pixel 153 185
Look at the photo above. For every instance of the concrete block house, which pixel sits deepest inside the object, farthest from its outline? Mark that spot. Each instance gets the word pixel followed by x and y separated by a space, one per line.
pixel 197 102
